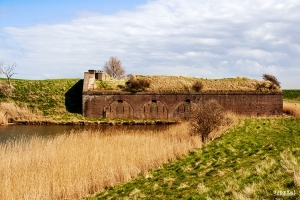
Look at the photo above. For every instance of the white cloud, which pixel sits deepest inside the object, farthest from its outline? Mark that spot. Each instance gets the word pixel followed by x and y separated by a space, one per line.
pixel 193 37
pixel 257 54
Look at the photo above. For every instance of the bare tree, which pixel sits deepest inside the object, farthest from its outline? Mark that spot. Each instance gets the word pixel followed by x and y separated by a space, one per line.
pixel 114 68
pixel 207 117
pixel 8 71
pixel 137 85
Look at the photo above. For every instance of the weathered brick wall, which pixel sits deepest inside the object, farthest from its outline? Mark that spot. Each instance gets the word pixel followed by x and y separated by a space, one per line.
pixel 174 106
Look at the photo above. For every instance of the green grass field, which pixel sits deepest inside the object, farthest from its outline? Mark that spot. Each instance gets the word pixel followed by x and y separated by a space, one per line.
pixel 257 159
pixel 291 95
pixel 54 97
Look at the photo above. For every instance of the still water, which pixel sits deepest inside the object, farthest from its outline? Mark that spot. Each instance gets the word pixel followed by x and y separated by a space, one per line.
pixel 15 132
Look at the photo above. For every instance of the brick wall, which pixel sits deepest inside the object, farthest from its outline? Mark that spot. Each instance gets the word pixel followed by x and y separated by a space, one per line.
pixel 176 106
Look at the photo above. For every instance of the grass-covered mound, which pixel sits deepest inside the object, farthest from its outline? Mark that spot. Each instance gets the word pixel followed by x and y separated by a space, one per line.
pixel 64 96
pixel 185 84
pixel 51 97
pixel 257 159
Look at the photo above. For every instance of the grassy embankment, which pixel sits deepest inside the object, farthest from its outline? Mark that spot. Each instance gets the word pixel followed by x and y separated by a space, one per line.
pixel 45 101
pixel 53 99
pixel 257 159
pixel 61 99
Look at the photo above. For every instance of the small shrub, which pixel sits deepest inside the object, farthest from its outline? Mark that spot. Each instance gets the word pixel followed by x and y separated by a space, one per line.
pixel 206 118
pixel 137 85
pixel 265 86
pixel 197 86
pixel 261 86
pixel 272 86
pixel 272 79
pixel 6 89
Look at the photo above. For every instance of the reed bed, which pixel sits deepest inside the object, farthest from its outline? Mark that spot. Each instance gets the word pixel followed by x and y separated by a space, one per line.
pixel 291 108
pixel 3 118
pixel 12 111
pixel 75 165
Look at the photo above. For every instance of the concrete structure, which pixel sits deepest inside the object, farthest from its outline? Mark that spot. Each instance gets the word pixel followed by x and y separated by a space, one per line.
pixel 91 76
pixel 151 105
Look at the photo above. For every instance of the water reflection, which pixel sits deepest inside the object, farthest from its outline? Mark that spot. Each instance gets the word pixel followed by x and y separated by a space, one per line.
pixel 15 132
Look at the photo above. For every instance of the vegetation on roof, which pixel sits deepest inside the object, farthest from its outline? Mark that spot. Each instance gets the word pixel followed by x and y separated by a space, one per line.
pixel 185 84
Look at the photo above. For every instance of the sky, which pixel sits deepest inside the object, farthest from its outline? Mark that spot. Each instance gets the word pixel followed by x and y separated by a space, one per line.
pixel 198 38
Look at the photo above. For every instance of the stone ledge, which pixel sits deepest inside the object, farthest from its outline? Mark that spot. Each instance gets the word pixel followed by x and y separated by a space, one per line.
pixel 181 93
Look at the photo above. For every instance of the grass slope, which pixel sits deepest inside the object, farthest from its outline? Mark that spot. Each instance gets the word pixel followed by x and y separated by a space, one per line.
pixel 257 159
pixel 51 96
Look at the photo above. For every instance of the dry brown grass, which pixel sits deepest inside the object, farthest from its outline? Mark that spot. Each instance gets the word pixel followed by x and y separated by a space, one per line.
pixel 14 112
pixel 3 118
pixel 180 83
pixel 224 127
pixel 291 109
pixel 75 165
pixel 185 84
pixel 291 165
pixel 6 89
pixel 297 178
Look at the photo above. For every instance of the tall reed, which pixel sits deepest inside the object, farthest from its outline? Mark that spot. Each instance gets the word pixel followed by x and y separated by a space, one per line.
pixel 3 118
pixel 291 108
pixel 12 111
pixel 76 164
